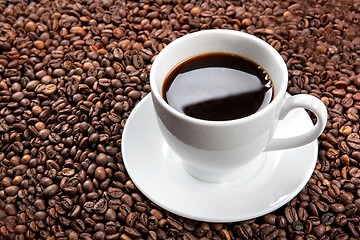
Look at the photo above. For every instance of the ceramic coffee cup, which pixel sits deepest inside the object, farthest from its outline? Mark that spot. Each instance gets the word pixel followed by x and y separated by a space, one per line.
pixel 216 151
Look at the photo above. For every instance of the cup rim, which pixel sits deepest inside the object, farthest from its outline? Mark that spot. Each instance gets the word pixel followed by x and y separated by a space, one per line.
pixel 280 94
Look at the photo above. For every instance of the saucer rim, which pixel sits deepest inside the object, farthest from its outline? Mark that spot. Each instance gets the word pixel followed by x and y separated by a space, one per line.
pixel 313 146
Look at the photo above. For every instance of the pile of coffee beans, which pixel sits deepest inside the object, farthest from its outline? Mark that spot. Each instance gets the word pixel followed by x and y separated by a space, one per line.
pixel 71 71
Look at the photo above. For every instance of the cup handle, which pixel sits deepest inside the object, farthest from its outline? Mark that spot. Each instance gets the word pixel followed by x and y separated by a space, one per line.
pixel 308 102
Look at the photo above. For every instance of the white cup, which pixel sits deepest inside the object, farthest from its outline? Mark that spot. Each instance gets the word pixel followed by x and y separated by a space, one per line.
pixel 215 151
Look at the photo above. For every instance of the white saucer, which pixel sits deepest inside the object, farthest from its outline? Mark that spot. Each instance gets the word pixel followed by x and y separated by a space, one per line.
pixel 270 182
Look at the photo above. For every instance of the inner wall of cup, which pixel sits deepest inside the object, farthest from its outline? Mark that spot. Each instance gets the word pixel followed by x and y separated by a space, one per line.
pixel 220 41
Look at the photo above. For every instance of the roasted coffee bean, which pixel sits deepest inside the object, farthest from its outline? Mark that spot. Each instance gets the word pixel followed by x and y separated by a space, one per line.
pixel 319 230
pixel 244 231
pixel 79 225
pixel 308 226
pixel 40 204
pixel 351 210
pixel 99 235
pixel 281 222
pixel 270 218
pixel 352 230
pixel 51 190
pixel 11 190
pixel 100 173
pixel 346 197
pixel 115 192
pixel 89 206
pixel 110 215
pixel 269 232
pixel 297 226
pixel 100 207
pixel 70 75
pixel 290 214
pixel 102 159
pixel 131 232
pixel 321 206
pixel 327 218
pixel 110 228
pixel 302 213
pixel 174 223
pixel 341 220
pixel 76 210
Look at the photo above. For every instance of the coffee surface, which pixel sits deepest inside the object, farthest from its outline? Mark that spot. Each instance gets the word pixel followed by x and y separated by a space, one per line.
pixel 218 87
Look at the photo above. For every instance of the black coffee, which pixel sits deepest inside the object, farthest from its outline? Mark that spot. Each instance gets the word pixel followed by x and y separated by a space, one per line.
pixel 218 86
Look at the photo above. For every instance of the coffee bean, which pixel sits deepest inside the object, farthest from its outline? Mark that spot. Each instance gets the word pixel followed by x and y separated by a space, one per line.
pixel 104 82
pixel 110 215
pixel 341 220
pixel 40 204
pixel 281 222
pixel 89 206
pixel 327 219
pixel 17 96
pixel 290 214
pixel 10 209
pixel 73 235
pixel 135 95
pixel 70 77
pixel 97 226
pixel 100 173
pixel 346 197
pixel 322 206
pixel 244 231
pixel 102 159
pixel 51 190
pixel 76 210
pixel 100 206
pixel 351 209
pixel 131 232
pixel 79 225
pixel 297 226
pixel 18 147
pixel 115 192
pixel 269 232
pixel 319 230
pixel 130 219
pixel 11 190
pixel 174 223
pixel 270 218
pixel 88 186
pixel 99 235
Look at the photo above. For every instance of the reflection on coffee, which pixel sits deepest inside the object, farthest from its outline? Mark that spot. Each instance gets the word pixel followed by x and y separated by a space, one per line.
pixel 218 87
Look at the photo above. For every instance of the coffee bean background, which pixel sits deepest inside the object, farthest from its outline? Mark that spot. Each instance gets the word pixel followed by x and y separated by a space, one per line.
pixel 72 71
